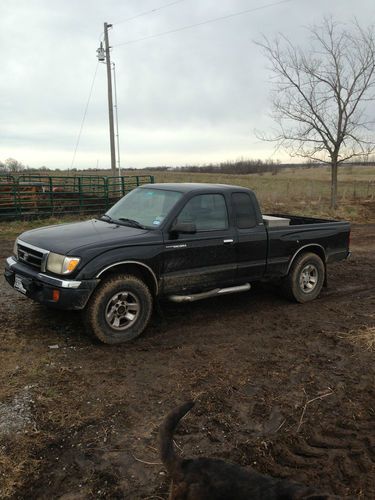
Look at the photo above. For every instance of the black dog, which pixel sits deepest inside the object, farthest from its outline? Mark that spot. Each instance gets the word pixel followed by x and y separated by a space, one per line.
pixel 215 479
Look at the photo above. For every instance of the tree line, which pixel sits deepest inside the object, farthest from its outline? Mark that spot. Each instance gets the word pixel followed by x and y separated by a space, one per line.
pixel 237 167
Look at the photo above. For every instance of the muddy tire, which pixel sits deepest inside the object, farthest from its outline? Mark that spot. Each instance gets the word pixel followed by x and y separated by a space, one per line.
pixel 305 279
pixel 119 309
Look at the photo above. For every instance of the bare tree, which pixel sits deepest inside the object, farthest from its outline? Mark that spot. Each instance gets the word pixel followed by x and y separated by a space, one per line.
pixel 321 94
pixel 13 166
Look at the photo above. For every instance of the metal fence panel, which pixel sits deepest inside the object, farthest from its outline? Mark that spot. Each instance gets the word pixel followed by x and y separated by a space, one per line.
pixel 36 195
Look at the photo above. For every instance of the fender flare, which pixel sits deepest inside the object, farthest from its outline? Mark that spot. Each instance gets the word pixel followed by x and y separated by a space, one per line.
pixel 133 262
pixel 310 245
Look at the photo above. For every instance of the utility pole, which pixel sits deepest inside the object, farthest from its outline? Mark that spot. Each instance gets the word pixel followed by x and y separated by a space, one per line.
pixel 116 109
pixel 110 103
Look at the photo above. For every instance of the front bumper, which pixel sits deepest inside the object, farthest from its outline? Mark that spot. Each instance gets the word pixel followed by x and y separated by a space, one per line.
pixel 40 287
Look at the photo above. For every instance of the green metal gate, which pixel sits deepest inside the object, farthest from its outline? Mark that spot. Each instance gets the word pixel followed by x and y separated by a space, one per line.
pixel 37 195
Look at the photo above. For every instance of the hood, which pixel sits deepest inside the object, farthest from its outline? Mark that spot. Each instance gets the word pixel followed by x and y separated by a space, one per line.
pixel 68 238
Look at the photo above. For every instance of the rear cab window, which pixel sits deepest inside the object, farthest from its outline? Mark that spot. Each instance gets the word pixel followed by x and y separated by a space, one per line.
pixel 244 211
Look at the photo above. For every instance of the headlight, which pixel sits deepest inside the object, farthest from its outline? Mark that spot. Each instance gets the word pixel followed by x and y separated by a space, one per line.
pixel 59 264
pixel 15 248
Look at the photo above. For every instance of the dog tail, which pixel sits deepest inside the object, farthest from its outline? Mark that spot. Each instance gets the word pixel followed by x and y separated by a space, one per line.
pixel 167 451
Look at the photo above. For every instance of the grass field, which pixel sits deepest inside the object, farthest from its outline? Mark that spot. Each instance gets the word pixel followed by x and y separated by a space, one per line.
pixel 302 191
pixel 299 191
pixel 291 187
pixel 312 184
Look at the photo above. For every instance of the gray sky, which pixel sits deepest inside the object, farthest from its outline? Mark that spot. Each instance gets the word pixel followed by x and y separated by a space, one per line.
pixel 195 96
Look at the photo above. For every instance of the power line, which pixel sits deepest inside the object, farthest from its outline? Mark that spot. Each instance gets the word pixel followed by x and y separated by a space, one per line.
pixel 213 20
pixel 149 11
pixel 84 114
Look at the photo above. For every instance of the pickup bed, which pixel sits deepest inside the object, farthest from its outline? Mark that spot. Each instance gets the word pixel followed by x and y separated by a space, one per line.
pixel 182 242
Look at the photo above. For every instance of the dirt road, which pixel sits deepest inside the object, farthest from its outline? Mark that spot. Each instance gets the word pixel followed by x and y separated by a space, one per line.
pixel 79 419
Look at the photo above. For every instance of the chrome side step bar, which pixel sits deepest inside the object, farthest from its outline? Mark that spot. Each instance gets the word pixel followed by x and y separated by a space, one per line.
pixel 211 293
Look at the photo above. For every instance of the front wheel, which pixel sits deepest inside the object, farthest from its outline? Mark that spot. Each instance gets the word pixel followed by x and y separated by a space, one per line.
pixel 305 279
pixel 119 310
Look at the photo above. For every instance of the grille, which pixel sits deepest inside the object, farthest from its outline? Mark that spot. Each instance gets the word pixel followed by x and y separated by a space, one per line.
pixel 32 256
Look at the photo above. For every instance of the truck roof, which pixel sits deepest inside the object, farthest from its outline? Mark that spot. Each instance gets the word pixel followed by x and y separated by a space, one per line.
pixel 185 187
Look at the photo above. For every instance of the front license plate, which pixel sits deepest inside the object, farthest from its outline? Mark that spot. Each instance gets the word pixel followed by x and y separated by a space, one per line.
pixel 18 285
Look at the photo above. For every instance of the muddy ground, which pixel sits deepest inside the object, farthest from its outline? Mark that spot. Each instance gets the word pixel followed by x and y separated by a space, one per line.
pixel 79 419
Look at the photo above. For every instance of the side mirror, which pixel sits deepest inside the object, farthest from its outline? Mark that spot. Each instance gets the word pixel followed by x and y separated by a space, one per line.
pixel 184 227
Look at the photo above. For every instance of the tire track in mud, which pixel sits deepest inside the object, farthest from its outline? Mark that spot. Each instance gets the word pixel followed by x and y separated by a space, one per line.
pixel 346 449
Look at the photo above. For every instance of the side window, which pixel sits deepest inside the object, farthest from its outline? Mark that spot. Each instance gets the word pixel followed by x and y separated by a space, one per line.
pixel 207 211
pixel 244 211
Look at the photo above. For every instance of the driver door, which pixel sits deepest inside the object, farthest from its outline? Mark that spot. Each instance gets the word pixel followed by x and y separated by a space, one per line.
pixel 203 260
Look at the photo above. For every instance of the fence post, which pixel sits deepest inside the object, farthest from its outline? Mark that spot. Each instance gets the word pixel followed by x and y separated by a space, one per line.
pixel 15 189
pixel 106 191
pixel 80 193
pixel 50 194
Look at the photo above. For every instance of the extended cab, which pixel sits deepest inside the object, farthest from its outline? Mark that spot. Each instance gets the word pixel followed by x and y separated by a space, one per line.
pixel 179 241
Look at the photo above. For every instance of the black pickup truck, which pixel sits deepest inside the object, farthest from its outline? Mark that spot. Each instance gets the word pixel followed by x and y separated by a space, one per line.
pixel 183 242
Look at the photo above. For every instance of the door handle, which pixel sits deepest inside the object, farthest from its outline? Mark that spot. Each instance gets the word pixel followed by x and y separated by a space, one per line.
pixel 228 242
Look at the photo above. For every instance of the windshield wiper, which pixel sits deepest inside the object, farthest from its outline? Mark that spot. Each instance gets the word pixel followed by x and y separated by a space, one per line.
pixel 132 222
pixel 107 219
pixel 124 221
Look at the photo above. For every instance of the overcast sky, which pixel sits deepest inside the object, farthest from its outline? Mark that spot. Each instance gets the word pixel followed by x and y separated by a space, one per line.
pixel 194 96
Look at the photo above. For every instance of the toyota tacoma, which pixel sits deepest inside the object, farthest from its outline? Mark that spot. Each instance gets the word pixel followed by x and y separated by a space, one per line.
pixel 182 242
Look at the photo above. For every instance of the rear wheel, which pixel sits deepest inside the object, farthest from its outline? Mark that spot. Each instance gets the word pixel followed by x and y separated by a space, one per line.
pixel 305 279
pixel 119 310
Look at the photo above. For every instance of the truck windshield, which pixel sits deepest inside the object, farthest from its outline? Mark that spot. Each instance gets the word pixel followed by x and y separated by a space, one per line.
pixel 146 206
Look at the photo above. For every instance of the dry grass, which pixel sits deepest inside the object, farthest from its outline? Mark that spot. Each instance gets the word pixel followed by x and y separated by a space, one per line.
pixel 364 337
pixel 298 191
pixel 18 459
pixel 309 183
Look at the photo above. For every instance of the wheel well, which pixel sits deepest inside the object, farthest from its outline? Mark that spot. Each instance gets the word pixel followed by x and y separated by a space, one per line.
pixel 318 250
pixel 141 272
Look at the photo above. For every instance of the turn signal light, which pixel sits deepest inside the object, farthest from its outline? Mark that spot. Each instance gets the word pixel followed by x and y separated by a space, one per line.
pixel 55 295
pixel 70 265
